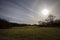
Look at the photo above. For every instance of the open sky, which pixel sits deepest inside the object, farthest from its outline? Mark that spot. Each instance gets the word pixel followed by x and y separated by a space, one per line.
pixel 28 11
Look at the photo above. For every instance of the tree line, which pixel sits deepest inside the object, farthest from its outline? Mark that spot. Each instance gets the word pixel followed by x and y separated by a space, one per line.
pixel 5 24
pixel 49 22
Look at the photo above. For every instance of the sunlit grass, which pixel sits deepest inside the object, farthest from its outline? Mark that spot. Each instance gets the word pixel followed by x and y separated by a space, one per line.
pixel 30 33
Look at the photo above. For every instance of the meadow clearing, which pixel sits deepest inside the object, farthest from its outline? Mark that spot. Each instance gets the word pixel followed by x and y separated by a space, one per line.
pixel 30 33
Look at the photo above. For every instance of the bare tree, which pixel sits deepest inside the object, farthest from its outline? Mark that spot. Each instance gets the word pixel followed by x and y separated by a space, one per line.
pixel 50 19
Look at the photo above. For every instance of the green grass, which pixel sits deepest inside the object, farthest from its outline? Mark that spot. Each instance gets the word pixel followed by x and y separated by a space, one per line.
pixel 30 33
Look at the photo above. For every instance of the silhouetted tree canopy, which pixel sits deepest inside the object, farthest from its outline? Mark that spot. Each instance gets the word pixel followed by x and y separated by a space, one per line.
pixel 50 22
pixel 50 18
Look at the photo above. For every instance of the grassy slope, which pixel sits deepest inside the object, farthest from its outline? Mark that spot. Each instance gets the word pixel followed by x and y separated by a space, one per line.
pixel 30 33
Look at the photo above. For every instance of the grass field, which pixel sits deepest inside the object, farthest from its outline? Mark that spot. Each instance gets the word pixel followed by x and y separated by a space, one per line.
pixel 30 33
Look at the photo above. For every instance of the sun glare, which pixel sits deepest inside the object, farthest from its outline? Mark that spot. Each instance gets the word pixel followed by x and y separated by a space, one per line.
pixel 45 12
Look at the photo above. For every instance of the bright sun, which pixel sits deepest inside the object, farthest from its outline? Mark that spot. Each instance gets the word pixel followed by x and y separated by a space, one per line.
pixel 45 11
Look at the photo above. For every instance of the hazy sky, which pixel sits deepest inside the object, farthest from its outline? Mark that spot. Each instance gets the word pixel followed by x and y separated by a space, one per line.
pixel 28 11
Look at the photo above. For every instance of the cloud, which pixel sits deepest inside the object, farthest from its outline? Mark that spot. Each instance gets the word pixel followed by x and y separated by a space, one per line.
pixel 25 11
